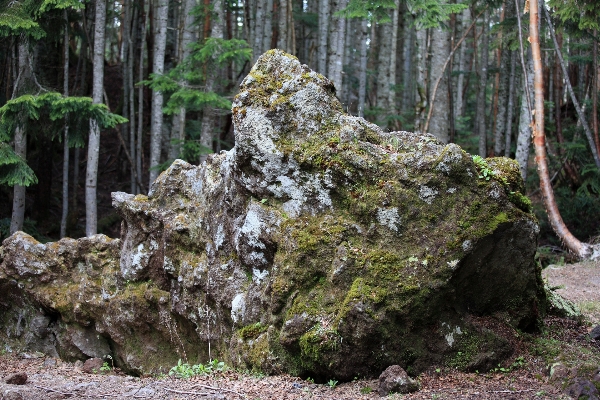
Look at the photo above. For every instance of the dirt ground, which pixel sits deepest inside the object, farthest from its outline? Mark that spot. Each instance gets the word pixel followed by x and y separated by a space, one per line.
pixel 524 376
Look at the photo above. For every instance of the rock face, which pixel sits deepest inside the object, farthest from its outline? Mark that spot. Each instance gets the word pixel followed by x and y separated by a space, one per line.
pixel 319 245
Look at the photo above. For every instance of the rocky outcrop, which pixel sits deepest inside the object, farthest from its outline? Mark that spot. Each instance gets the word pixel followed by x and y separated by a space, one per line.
pixel 319 245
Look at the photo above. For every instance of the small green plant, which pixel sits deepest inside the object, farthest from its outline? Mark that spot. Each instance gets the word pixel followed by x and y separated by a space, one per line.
pixel 185 370
pixel 484 169
pixel 105 367
pixel 332 383
pixel 310 380
pixel 366 390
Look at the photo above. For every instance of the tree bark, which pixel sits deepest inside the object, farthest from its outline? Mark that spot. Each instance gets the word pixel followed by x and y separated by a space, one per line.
pixel 91 177
pixel 524 136
pixel 210 117
pixel 65 171
pixel 324 6
pixel 362 72
pixel 158 66
pixel 458 104
pixel 337 40
pixel 440 50
pixel 582 250
pixel 511 103
pixel 421 82
pixel 503 88
pixel 480 107
pixel 580 113
pixel 140 124
pixel 187 37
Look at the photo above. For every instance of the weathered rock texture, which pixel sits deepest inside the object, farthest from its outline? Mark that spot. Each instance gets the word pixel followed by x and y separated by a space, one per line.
pixel 319 245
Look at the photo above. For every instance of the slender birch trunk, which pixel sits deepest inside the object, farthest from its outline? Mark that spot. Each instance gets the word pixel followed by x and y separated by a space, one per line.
pixel 392 109
pixel 362 72
pixel 337 40
pixel 160 41
pixel 407 82
pixel 210 117
pixel 511 103
pixel 483 66
pixel 18 206
pixel 580 113
pixel 187 37
pixel 383 71
pixel 421 84
pixel 460 81
pixel 140 124
pixel 503 89
pixel 65 171
pixel 91 177
pixel 440 50
pixel 524 137
pixel 324 6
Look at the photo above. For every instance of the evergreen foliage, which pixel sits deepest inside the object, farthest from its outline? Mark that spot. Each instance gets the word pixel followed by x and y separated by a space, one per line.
pixel 48 111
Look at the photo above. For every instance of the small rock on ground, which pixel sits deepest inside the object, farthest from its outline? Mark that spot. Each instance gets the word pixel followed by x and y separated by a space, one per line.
pixel 18 378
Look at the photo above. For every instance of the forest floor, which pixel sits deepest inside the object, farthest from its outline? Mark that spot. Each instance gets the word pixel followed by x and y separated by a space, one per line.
pixel 524 376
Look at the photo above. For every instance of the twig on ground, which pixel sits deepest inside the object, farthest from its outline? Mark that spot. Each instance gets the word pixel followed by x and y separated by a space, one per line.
pixel 185 392
pixel 218 389
pixel 54 390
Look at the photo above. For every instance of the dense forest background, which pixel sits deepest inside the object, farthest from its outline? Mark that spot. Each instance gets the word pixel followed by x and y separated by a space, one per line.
pixel 100 96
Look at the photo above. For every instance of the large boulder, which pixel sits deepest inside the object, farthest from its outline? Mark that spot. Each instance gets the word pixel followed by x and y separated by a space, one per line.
pixel 320 245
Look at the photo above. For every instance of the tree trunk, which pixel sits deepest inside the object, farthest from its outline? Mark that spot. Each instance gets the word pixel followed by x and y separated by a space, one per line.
pixel 259 26
pixel 23 75
pixel 158 66
pixel 337 40
pixel 140 124
pixel 407 81
pixel 362 73
pixel 440 50
pixel 582 250
pixel 580 113
pixel 324 6
pixel 65 175
pixel 91 177
pixel 503 88
pixel 392 109
pixel 595 90
pixel 458 104
pixel 524 136
pixel 421 83
pixel 130 66
pixel 511 103
pixel 210 117
pixel 187 37
pixel 480 113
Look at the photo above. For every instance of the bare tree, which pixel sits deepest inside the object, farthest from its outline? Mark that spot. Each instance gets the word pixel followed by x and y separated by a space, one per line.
pixel 160 42
pixel 91 178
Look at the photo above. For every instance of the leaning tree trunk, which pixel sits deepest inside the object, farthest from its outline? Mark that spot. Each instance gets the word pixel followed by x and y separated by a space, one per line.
pixel 582 250
pixel 160 41
pixel 580 113
pixel 91 178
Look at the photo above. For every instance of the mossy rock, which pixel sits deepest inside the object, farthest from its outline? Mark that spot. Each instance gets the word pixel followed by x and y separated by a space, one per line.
pixel 319 246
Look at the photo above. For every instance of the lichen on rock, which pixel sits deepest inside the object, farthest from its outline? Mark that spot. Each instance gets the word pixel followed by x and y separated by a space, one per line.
pixel 319 245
